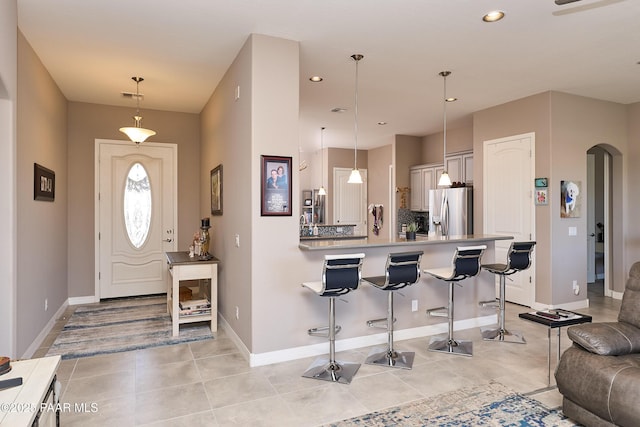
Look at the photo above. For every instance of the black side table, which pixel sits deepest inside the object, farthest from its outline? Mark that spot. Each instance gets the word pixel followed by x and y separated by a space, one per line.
pixel 555 319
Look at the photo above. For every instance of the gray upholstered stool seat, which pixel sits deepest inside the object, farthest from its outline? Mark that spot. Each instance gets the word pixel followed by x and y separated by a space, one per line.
pixel 465 264
pixel 341 274
pixel 402 269
pixel 518 259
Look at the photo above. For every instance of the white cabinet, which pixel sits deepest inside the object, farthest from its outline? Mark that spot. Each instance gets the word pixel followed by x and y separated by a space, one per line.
pixel 460 167
pixel 425 177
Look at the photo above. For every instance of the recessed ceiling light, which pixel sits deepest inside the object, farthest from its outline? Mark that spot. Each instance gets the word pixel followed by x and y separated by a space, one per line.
pixel 493 16
pixel 451 99
pixel 315 79
pixel 338 110
pixel 382 123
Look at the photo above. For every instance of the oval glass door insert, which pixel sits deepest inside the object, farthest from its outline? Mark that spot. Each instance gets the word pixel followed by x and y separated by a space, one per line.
pixel 137 205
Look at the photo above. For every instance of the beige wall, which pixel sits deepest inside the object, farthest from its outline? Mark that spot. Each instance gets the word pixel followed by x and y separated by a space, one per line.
pixel 88 122
pixel 379 189
pixel 565 127
pixel 226 139
pixel 458 139
pixel 406 150
pixel 577 124
pixel 631 180
pixel 41 226
pixel 8 96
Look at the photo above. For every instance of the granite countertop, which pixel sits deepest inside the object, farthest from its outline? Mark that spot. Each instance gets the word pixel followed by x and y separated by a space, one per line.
pixel 331 237
pixel 320 244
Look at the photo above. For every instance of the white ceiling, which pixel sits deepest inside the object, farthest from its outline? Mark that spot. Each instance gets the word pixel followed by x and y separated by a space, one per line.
pixel 182 49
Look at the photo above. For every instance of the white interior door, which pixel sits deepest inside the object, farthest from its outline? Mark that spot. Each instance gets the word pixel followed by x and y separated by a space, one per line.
pixel 508 176
pixel 350 200
pixel 136 217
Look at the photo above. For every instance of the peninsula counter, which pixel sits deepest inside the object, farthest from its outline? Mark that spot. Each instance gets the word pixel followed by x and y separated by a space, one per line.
pixel 368 302
pixel 363 243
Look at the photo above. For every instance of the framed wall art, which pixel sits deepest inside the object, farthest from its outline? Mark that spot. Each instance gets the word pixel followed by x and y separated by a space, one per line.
pixel 275 184
pixel 44 183
pixel 570 202
pixel 216 190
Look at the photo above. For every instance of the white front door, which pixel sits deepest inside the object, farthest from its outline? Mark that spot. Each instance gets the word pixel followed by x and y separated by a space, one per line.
pixel 508 176
pixel 136 220
pixel 350 200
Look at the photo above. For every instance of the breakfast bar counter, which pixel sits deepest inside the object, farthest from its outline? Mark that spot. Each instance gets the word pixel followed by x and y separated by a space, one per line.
pixel 421 240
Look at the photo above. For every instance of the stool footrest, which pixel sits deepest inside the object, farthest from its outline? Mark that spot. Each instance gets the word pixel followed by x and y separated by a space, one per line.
pixel 322 331
pixel 438 312
pixel 492 303
pixel 378 323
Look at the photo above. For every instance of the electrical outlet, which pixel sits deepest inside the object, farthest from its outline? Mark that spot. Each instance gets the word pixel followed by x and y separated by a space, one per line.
pixel 414 305
pixel 237 312
pixel 576 288
pixel 237 240
pixel 46 304
pixel 237 94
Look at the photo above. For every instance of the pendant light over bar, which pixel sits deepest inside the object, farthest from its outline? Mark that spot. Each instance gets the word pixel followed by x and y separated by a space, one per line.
pixel 322 191
pixel 445 180
pixel 137 133
pixel 355 177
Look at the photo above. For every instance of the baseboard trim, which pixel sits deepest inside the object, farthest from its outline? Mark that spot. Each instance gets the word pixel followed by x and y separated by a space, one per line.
pixel 83 300
pixel 268 358
pixel 37 342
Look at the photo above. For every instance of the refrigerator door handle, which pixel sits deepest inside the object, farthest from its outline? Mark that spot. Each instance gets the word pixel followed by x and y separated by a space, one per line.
pixel 444 214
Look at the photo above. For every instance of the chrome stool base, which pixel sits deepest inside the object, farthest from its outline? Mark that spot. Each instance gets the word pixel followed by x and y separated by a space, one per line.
pixel 392 359
pixel 457 347
pixel 337 372
pixel 502 335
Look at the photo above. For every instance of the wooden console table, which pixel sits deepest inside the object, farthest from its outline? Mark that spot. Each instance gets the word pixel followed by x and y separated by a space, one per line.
pixel 182 267
pixel 34 402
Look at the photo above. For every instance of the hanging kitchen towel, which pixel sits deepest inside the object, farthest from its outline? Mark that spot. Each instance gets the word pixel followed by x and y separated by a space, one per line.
pixel 376 211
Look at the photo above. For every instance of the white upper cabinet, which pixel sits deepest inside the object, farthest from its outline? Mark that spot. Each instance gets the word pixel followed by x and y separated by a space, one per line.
pixel 425 177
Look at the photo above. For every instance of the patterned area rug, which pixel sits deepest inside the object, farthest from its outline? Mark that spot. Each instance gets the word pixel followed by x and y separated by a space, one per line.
pixel 492 404
pixel 122 325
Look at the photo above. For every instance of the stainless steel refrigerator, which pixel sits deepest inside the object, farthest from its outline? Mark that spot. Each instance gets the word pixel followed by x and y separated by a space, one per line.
pixel 451 211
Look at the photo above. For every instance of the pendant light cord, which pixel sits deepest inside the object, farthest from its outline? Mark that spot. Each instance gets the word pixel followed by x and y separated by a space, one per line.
pixel 444 108
pixel 357 58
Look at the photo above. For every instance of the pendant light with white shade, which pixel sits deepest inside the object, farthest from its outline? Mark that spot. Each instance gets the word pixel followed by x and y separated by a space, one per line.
pixel 355 177
pixel 322 191
pixel 445 180
pixel 137 133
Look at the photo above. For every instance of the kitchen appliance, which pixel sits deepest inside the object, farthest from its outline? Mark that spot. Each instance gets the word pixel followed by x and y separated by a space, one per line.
pixel 451 211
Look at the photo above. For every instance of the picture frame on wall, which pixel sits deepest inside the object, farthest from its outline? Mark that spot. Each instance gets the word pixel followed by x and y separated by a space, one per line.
pixel 570 199
pixel 216 190
pixel 44 183
pixel 275 175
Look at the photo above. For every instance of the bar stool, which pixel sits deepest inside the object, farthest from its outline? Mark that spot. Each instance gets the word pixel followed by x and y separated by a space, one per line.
pixel 466 263
pixel 402 269
pixel 518 259
pixel 341 274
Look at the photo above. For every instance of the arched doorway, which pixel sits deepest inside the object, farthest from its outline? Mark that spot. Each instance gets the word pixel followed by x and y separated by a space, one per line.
pixel 600 233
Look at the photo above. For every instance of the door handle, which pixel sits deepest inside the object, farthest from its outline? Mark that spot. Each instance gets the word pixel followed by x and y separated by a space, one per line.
pixel 168 240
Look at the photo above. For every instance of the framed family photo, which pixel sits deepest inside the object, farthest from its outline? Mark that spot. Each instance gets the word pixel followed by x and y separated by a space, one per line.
pixel 216 190
pixel 275 184
pixel 44 183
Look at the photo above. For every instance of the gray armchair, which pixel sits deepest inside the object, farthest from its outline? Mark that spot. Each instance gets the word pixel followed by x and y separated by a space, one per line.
pixel 599 376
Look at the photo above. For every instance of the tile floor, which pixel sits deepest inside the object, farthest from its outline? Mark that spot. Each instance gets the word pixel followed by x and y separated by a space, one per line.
pixel 209 383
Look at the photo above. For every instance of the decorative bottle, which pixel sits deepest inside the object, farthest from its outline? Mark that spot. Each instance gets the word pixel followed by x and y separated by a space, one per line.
pixel 204 236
